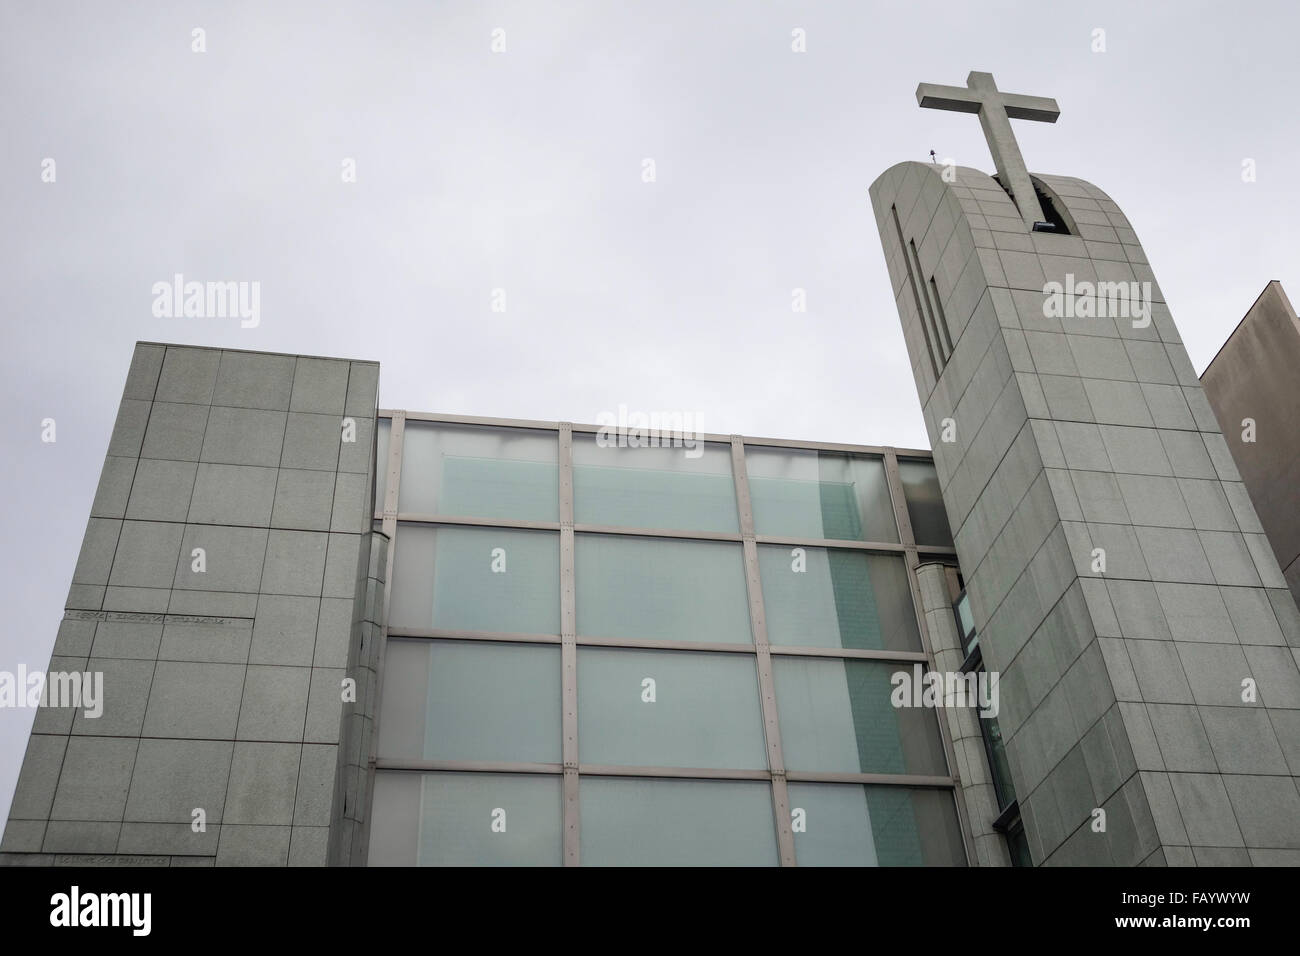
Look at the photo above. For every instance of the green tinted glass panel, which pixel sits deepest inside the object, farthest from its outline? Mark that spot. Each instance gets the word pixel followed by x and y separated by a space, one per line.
pixel 476 472
pixel 446 819
pixel 470 700
pixel 654 487
pixel 836 716
pixel 1018 847
pixel 705 711
pixel 924 503
pixel 444 577
pixel 658 822
pixel 848 825
pixel 800 493
pixel 824 597
pixel 661 589
pixel 1003 785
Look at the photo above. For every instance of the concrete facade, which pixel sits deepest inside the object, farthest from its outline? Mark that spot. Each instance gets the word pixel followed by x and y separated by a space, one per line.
pixel 225 589
pixel 1254 379
pixel 1056 435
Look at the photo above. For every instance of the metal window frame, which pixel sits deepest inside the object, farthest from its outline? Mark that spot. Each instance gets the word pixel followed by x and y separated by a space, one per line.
pixel 570 769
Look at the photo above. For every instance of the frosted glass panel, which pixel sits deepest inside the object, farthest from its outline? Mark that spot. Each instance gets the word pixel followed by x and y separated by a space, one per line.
pixel 654 487
pixel 476 472
pixel 925 503
pixel 823 597
pixel 661 589
pixel 847 825
pixel 445 819
pixel 476 579
pixel 836 715
pixel 799 493
pixel 705 711
pixel 657 822
pixel 462 700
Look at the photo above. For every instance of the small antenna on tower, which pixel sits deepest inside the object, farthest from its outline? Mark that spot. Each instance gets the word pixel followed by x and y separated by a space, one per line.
pixel 932 159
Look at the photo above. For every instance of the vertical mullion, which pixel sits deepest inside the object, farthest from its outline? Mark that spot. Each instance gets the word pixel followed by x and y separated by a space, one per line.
pixel 766 682
pixel 568 651
pixel 907 536
pixel 396 433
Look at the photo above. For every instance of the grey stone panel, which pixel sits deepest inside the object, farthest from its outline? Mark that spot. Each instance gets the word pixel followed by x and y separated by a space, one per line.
pixel 175 432
pixel 1215 673
pixel 343 553
pixel 334 632
pixel 303 500
pixel 263 783
pixel 1205 809
pixel 126 685
pixel 206 641
pixel 312 441
pixel 351 503
pixel 254 846
pixel 254 380
pixel 191 699
pixel 129 429
pixel 233 495
pixel 309 846
pixel 136 638
pixel 1243 741
pixel 222 604
pixel 363 389
pixel 97 548
pixel 355 455
pixel 315 791
pixel 285 630
pixel 1194 612
pixel 145 554
pixel 38 778
pixel 324 705
pixel 1276 675
pixel 169 838
pixel 136 600
pixel 53 716
pixel 1252 616
pixel 21 837
pixel 188 375
pixel 320 385
pixel 295 563
pixel 142 378
pixel 114 487
pixel 172 778
pixel 75 637
pixel 68 836
pixel 95 778
pixel 234 558
pixel 274 703
pixel 162 490
pixel 244 436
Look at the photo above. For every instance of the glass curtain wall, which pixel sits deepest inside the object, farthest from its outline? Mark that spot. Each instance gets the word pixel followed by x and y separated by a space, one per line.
pixel 693 648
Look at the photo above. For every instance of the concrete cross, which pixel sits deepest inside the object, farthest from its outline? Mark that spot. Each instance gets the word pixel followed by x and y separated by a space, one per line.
pixel 996 109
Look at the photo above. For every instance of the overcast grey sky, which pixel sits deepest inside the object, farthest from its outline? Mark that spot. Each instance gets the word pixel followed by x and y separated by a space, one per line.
pixel 522 170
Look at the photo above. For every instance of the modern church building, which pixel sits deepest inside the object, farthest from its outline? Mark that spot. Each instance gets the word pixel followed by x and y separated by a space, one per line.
pixel 330 633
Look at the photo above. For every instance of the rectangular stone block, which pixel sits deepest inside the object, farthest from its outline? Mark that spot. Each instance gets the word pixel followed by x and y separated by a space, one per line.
pixel 198 700
pixel 175 432
pixel 254 380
